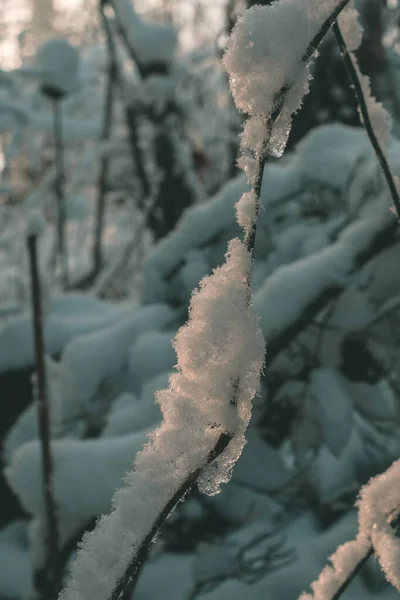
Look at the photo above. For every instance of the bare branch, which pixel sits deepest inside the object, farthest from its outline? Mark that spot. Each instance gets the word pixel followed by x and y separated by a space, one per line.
pixel 52 583
pixel 366 118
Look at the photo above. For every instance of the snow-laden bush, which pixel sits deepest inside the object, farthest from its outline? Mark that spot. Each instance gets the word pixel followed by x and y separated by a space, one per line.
pixel 324 232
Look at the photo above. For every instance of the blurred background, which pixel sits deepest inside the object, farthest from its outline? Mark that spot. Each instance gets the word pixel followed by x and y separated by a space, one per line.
pixel 118 133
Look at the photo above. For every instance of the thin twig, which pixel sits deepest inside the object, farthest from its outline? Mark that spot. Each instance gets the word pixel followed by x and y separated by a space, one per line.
pixel 59 190
pixel 383 239
pixel 104 167
pixel 348 61
pixel 389 307
pixel 124 35
pixel 131 116
pixel 351 576
pixel 340 591
pixel 126 584
pixel 53 575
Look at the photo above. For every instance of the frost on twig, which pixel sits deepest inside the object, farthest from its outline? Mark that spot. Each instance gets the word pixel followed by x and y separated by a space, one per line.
pixel 378 516
pixel 220 355
pixel 206 410
pixel 52 579
pixel 269 79
pixel 352 32
pixel 220 350
pixel 375 118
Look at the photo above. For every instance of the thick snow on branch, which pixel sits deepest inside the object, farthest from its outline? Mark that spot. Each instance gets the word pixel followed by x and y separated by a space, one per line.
pixel 260 64
pixel 268 76
pixel 220 355
pixel 268 80
pixel 379 506
pixel 350 27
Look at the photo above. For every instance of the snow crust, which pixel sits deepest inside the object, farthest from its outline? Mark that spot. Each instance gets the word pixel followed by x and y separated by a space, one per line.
pixel 378 507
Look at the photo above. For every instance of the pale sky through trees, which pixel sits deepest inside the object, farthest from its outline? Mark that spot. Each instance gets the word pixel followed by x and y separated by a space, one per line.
pixel 197 20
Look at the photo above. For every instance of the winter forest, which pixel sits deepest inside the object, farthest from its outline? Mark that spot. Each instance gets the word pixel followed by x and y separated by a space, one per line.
pixel 199 299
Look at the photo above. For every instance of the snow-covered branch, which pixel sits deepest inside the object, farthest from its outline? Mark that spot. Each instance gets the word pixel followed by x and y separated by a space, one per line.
pixel 378 517
pixel 268 81
pixel 220 350
pixel 220 355
pixel 300 290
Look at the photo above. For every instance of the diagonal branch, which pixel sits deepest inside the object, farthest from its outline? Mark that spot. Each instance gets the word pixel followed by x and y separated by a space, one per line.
pixel 372 247
pixel 52 580
pixel 358 92
pixel 358 567
pixel 279 103
pixel 104 167
pixel 126 584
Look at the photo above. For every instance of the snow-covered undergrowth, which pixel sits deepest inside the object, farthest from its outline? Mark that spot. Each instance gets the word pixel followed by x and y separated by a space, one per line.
pixel 29 176
pixel 313 195
pixel 326 418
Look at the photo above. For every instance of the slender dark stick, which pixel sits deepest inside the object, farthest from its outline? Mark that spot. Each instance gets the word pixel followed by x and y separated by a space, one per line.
pixel 53 579
pixel 125 585
pixel 104 167
pixel 343 587
pixel 123 33
pixel 358 92
pixel 131 117
pixel 330 21
pixel 368 553
pixel 396 201
pixel 59 190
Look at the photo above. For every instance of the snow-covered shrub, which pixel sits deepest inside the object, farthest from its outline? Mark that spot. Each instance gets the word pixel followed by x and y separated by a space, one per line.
pixel 164 150
pixel 324 236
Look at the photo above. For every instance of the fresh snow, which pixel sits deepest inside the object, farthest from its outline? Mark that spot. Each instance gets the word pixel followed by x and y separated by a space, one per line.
pixel 86 474
pixel 218 350
pixel 56 65
pixel 87 362
pixel 16 570
pixel 71 315
pixel 259 65
pixel 378 507
pixel 288 291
